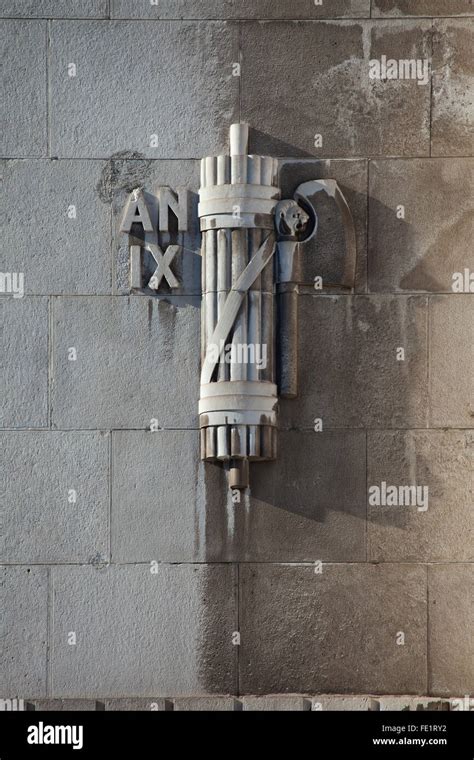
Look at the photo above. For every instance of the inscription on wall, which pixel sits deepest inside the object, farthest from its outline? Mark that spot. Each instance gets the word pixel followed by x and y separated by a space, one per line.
pixel 151 221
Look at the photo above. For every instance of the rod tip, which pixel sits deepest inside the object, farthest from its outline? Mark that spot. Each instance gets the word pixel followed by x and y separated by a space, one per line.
pixel 239 474
pixel 239 138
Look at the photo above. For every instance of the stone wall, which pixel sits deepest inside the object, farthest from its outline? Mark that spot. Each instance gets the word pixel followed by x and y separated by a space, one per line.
pixel 128 571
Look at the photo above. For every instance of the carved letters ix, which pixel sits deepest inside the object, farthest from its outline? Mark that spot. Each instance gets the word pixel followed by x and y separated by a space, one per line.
pixel 144 218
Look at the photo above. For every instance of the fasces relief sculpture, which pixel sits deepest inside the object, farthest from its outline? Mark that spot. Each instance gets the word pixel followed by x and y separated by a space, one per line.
pixel 251 248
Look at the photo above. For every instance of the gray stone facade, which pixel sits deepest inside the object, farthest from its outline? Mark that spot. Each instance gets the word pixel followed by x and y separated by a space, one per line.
pixel 131 578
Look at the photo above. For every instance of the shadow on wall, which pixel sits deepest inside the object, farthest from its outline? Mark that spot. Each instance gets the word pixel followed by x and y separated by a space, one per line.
pixel 268 145
pixel 311 503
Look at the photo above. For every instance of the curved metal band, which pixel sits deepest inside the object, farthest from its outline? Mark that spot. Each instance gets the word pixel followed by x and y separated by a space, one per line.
pixel 229 221
pixel 241 387
pixel 249 417
pixel 228 205
pixel 238 192
pixel 236 403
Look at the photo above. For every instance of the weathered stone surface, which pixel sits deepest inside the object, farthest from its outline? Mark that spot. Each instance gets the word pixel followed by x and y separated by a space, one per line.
pixel 348 372
pixel 138 705
pixel 315 493
pixel 334 632
pixel 325 254
pixel 333 703
pixel 108 107
pixel 137 361
pixel 450 626
pixel 403 704
pixel 67 705
pixel 275 703
pixel 44 471
pixel 439 461
pixel 23 124
pixel 451 361
pixel 422 8
pixel 238 9
pixel 24 631
pixel 24 362
pixel 318 499
pixel 433 241
pixel 149 633
pixel 122 175
pixel 214 704
pixel 167 505
pixel 452 130
pixel 54 8
pixel 330 93
pixel 57 252
pixel 144 633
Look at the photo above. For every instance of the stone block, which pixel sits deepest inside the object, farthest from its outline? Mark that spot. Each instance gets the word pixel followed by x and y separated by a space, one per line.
pixel 55 8
pixel 424 250
pixel 137 361
pixel 451 351
pixel 244 9
pixel 437 524
pixel 338 702
pixel 421 8
pixel 23 125
pixel 24 365
pixel 138 705
pixel 333 632
pixel 207 704
pixel 348 371
pixel 24 636
pixel 172 95
pixel 144 631
pixel 66 705
pixel 330 93
pixel 418 704
pixel 450 625
pixel 315 493
pixel 452 130
pixel 167 505
pixel 275 703
pixel 58 231
pixel 55 497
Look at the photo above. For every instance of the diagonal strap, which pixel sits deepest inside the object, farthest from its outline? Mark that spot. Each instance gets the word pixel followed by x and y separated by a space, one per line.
pixel 234 301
